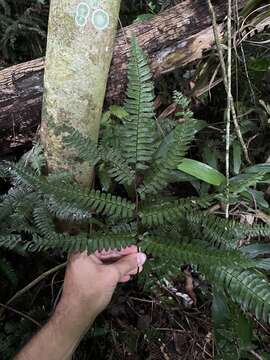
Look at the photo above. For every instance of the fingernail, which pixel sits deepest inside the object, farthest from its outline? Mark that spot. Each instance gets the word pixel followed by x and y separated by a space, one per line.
pixel 141 258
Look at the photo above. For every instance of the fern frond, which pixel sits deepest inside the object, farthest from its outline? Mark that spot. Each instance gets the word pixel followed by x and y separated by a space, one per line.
pixel 169 212
pixel 66 211
pixel 101 203
pixel 184 102
pixel 139 128
pixel 15 196
pixel 119 169
pixel 34 158
pixel 89 151
pixel 218 231
pixel 43 221
pixel 247 288
pixel 159 174
pixel 4 172
pixel 10 242
pixel 228 269
pixel 222 232
pixel 257 230
pixel 193 253
pixel 82 242
pixel 86 148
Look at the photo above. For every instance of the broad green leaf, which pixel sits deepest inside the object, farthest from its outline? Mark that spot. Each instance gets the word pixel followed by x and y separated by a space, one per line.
pixel 237 159
pixel 244 182
pixel 210 157
pixel 256 249
pixel 202 171
pixel 264 167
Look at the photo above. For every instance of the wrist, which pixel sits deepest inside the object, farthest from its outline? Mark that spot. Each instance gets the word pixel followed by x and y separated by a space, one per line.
pixel 74 315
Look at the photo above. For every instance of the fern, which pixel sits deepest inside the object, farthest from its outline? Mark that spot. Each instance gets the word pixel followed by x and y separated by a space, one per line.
pixel 161 171
pixel 140 166
pixel 196 254
pixel 10 242
pixel 101 203
pixel 227 269
pixel 82 242
pixel 43 221
pixel 249 289
pixel 119 169
pixel 138 143
pixel 170 212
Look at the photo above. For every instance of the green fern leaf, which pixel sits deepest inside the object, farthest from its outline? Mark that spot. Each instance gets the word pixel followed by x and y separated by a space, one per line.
pixel 89 151
pixel 10 242
pixel 43 221
pixel 66 211
pixel 139 128
pixel 249 289
pixel 86 149
pixel 160 173
pixel 193 253
pixel 101 203
pixel 168 212
pixel 82 242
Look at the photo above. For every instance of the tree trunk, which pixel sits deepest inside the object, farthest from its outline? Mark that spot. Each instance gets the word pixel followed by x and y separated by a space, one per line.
pixel 79 53
pixel 171 39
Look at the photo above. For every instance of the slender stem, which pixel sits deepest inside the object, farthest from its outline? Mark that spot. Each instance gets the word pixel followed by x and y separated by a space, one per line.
pixel 226 81
pixel 6 307
pixel 35 282
pixel 229 94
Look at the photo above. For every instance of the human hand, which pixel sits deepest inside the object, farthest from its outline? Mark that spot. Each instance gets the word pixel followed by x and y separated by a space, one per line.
pixel 91 280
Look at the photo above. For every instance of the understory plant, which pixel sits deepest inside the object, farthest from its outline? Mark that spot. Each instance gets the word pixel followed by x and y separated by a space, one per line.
pixel 132 203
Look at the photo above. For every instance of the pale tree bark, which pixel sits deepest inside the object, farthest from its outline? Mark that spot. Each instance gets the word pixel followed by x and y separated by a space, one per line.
pixel 79 52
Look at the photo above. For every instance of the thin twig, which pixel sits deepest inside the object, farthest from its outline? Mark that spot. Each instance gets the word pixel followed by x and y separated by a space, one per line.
pixel 35 282
pixel 225 81
pixel 229 94
pixel 256 355
pixel 6 307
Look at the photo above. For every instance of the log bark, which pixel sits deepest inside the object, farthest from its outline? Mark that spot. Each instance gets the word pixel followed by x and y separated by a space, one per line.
pixel 172 39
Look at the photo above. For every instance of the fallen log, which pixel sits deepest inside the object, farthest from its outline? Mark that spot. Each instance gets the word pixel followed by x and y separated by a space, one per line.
pixel 174 38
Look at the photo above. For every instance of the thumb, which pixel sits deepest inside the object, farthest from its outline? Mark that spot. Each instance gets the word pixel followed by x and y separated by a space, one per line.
pixel 128 263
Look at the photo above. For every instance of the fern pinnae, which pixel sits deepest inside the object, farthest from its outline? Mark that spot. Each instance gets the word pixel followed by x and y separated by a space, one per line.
pixel 247 288
pixel 196 254
pixel 81 243
pixel 139 128
pixel 164 212
pixel 10 241
pixel 159 174
pixel 102 203
pixel 43 221
pixel 86 148
pixel 93 153
pixel 67 211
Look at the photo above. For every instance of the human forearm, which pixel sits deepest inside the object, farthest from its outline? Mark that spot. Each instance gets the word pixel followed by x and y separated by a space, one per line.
pixel 61 335
pixel 88 288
